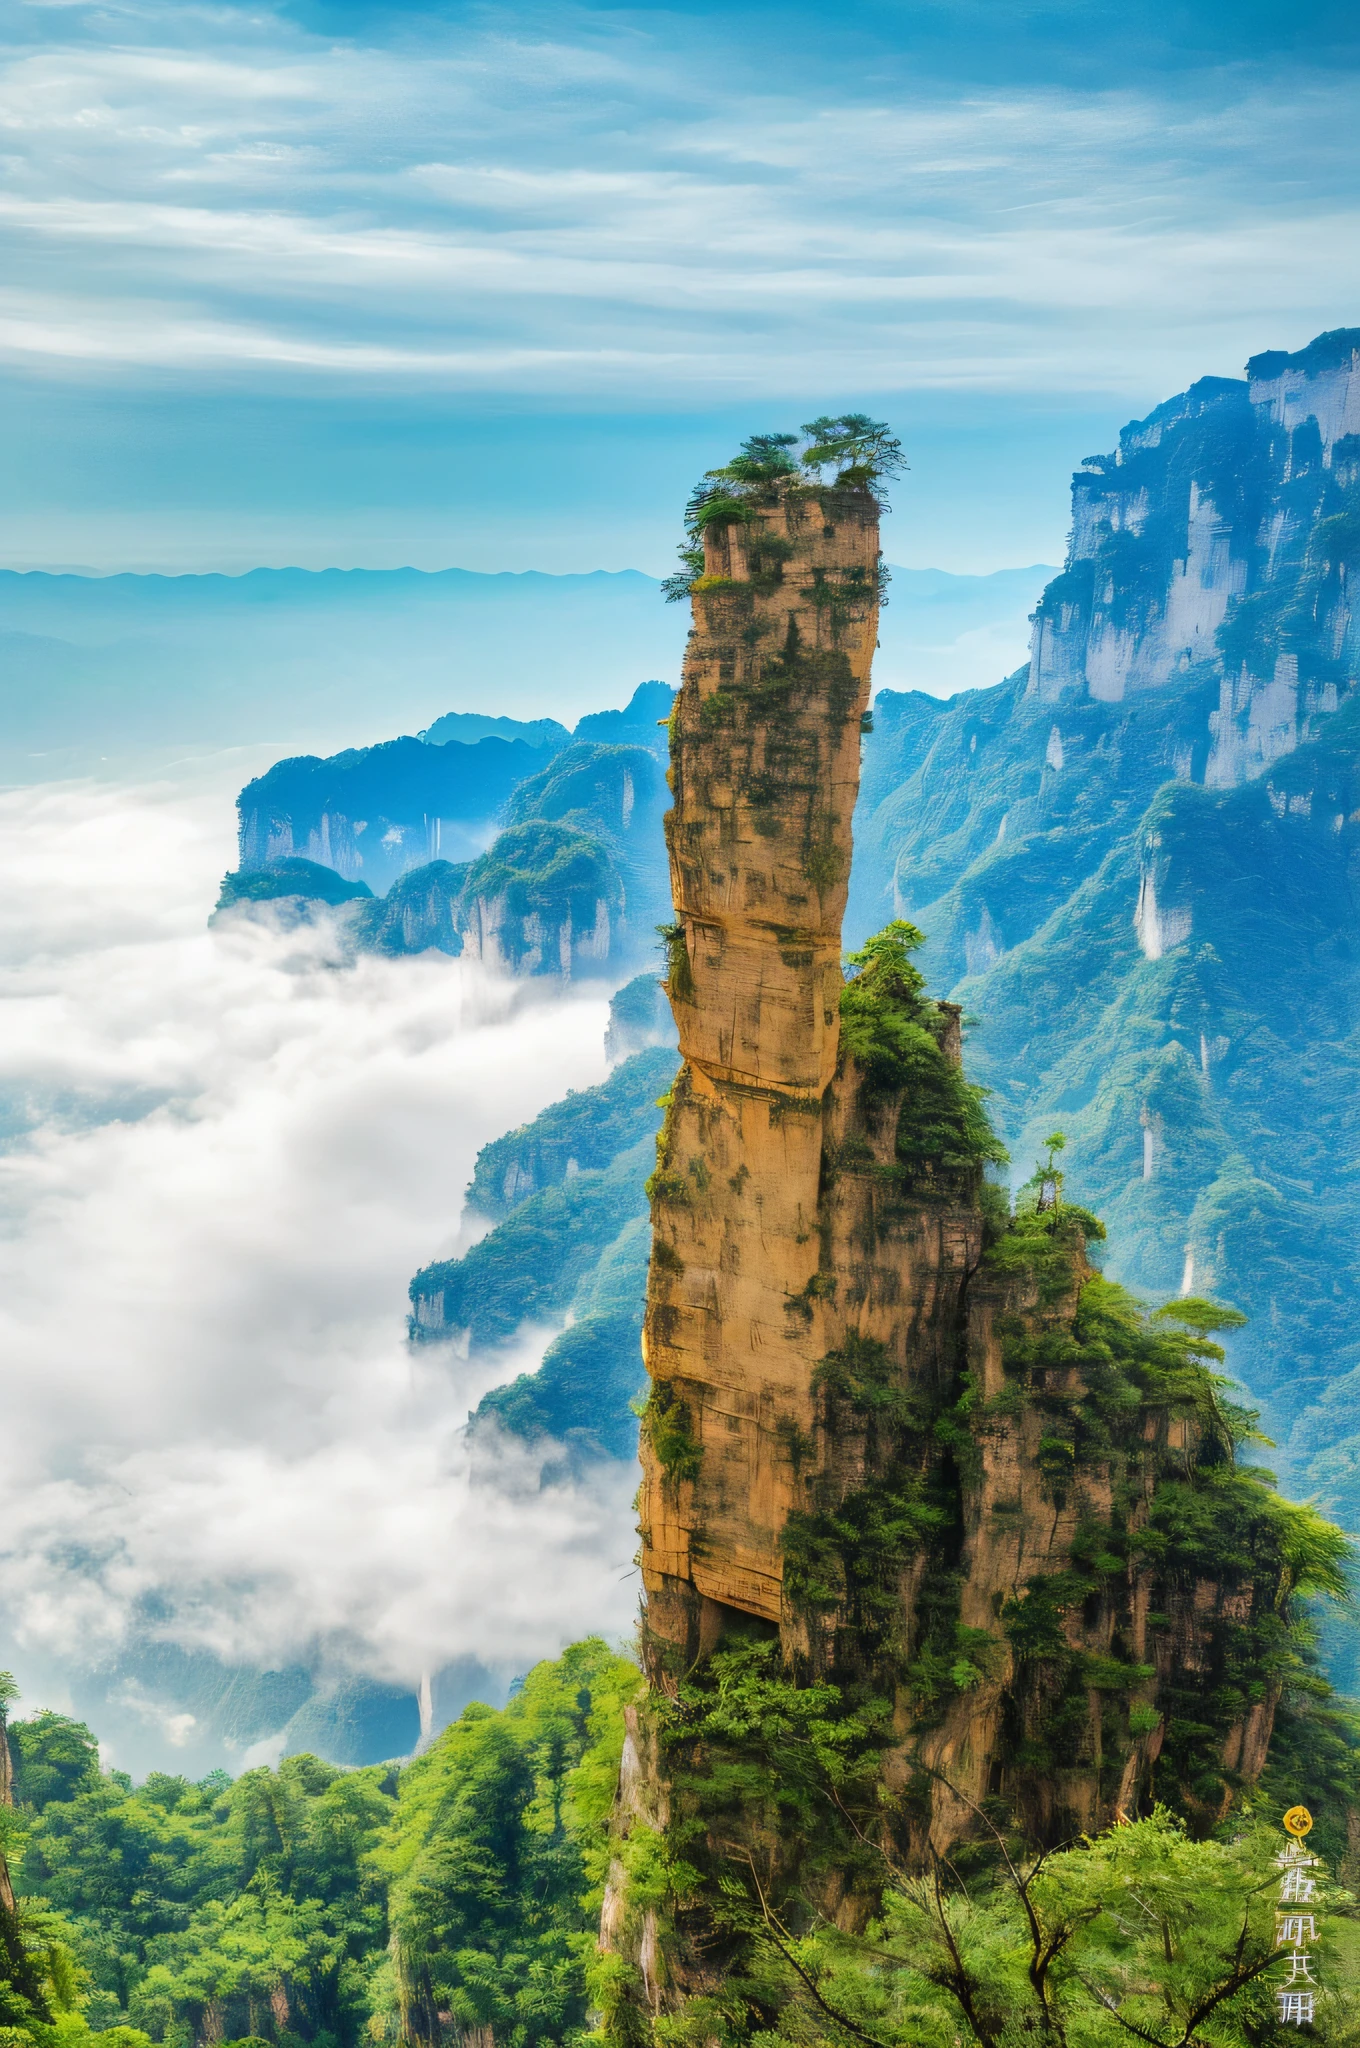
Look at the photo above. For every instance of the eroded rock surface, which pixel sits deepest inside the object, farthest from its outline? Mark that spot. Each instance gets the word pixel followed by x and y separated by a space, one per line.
pixel 765 741
pixel 907 1460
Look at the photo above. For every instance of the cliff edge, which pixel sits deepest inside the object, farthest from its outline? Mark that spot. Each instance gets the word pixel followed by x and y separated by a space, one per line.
pixel 939 1529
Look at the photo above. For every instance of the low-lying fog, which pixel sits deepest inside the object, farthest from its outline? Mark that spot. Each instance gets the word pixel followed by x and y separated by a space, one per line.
pixel 224 1156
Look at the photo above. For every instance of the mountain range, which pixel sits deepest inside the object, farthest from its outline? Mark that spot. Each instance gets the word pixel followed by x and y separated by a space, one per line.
pixel 117 674
pixel 575 882
pixel 1135 860
pixel 1134 864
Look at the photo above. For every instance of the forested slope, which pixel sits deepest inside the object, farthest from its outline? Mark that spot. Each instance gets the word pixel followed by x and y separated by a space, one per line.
pixel 570 1244
pixel 1136 860
pixel 412 1901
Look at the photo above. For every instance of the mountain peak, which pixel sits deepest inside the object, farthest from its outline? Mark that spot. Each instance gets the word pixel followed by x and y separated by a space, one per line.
pixel 1334 350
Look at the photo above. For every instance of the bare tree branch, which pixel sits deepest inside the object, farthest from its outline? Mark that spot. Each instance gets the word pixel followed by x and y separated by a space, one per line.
pixel 783 1940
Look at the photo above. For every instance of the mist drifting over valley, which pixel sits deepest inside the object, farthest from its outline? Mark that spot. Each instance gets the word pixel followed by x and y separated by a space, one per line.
pixel 227 1151
pixel 225 1156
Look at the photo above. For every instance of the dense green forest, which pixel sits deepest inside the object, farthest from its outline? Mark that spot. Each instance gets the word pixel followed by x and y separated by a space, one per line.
pixel 311 1903
pixel 457 1897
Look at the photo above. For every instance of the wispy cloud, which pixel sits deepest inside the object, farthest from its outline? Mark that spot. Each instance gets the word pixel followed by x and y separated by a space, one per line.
pixel 231 196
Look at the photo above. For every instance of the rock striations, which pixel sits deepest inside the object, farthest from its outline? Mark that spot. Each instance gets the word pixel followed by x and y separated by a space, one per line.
pixel 1214 546
pixel 931 1515
pixel 765 766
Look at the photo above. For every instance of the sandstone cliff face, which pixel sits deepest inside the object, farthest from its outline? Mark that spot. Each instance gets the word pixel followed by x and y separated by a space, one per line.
pixel 372 813
pixel 1089 1634
pixel 639 1018
pixel 573 886
pixel 569 936
pixel 1202 629
pixel 765 741
pixel 902 1454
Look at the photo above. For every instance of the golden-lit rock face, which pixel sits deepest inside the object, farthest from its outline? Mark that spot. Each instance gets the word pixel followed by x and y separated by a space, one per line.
pixel 787 1236
pixel 765 760
pixel 750 1284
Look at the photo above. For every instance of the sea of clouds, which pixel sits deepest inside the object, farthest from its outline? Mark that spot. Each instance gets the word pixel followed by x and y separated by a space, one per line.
pixel 226 1153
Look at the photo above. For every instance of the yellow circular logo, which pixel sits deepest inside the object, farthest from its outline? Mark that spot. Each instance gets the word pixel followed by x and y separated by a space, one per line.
pixel 1298 1820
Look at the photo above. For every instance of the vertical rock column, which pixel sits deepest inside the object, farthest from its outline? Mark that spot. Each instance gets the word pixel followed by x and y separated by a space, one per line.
pixel 765 764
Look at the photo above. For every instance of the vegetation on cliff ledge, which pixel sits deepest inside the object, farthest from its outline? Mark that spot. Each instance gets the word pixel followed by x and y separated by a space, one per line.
pixel 895 1034
pixel 793 1870
pixel 862 454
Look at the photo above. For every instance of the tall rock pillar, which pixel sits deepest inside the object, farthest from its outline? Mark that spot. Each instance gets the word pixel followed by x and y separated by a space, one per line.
pixel 914 1524
pixel 765 754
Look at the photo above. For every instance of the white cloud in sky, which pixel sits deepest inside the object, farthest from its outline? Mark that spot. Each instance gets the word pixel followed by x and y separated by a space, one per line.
pixel 231 197
pixel 230 1157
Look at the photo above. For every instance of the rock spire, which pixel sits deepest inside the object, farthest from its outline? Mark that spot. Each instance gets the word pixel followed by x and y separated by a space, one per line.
pixel 935 1522
pixel 765 743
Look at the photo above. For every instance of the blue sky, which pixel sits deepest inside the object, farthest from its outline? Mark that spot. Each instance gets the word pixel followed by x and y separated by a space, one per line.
pixel 334 284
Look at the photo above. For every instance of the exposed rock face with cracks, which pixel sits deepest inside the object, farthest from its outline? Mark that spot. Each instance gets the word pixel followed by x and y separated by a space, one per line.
pixel 765 764
pixel 931 1516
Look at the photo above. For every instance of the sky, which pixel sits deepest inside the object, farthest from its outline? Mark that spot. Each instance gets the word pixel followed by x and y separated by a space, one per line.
pixel 359 285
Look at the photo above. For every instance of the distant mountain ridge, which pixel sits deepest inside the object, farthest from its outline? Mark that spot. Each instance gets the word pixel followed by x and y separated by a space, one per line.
pixel 103 670
pixel 374 812
pixel 575 881
pixel 97 673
